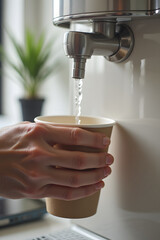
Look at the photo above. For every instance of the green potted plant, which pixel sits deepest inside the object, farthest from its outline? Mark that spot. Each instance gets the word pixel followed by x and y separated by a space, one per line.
pixel 35 64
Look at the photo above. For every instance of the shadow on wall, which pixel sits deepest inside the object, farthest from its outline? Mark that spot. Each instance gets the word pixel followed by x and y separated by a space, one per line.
pixel 137 165
pixel 145 64
pixel 136 141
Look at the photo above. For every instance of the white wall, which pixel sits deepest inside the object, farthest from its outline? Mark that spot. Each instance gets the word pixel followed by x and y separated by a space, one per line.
pixel 37 15
pixel 129 92
pixel 14 22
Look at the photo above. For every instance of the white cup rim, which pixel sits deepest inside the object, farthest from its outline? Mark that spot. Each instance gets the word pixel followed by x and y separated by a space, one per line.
pixel 69 120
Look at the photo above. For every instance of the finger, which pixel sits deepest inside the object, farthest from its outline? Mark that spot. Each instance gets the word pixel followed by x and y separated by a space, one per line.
pixel 74 178
pixel 73 136
pixel 79 160
pixel 67 193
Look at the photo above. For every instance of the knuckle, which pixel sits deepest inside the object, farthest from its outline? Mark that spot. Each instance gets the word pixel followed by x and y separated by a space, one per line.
pixel 34 129
pixel 75 180
pixel 79 162
pixel 75 135
pixel 33 174
pixel 98 176
pixel 88 190
pixel 35 151
pixel 30 191
pixel 26 122
pixel 97 138
pixel 68 194
pixel 29 134
pixel 102 159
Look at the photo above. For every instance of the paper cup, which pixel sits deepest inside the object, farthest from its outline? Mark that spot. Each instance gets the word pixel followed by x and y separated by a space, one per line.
pixel 87 206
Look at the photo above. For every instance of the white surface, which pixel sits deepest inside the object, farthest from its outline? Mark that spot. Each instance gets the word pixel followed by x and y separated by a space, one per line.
pixel 5 121
pixel 13 21
pixel 47 225
pixel 129 92
pixel 37 16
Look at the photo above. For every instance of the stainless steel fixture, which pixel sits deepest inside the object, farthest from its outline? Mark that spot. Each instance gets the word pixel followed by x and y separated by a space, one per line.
pixel 109 36
pixel 65 11
pixel 115 44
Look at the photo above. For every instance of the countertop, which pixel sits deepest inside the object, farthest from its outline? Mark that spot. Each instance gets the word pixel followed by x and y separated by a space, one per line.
pixel 25 231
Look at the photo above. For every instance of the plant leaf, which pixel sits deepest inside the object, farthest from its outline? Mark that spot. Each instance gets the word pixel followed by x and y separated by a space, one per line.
pixel 35 60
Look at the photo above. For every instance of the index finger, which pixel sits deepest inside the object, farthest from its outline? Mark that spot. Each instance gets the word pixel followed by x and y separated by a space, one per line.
pixel 73 136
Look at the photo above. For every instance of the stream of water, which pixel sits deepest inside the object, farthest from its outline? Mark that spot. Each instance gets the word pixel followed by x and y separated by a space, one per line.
pixel 78 99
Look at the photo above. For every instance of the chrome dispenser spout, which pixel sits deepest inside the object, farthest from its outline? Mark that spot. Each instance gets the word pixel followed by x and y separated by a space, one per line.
pixel 79 68
pixel 114 42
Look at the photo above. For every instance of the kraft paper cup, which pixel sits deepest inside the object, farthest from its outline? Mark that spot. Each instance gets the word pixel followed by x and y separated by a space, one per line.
pixel 87 206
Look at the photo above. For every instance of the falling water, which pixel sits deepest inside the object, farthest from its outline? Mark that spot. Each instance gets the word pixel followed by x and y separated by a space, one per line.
pixel 78 99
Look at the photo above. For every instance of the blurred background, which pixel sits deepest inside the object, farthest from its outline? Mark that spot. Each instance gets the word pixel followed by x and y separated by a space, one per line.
pixel 35 15
pixel 129 207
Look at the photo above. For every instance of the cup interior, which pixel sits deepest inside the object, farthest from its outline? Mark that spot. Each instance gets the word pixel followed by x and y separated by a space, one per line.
pixel 85 121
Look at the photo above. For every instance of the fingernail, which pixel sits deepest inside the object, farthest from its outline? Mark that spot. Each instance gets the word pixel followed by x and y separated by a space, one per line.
pixel 109 159
pixel 107 171
pixel 106 141
pixel 99 185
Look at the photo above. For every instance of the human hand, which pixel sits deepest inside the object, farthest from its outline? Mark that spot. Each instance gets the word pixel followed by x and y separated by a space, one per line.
pixel 31 167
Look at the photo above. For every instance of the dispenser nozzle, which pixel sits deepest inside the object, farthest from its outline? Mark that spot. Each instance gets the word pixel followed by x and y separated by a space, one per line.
pixel 114 42
pixel 76 47
pixel 78 68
